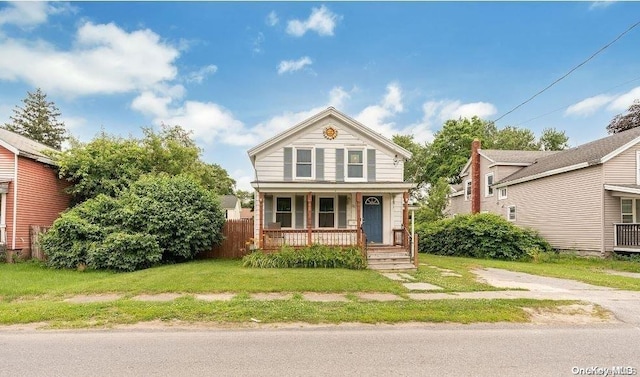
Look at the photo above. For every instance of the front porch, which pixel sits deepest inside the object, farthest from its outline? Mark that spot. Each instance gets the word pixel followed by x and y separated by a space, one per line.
pixel 627 238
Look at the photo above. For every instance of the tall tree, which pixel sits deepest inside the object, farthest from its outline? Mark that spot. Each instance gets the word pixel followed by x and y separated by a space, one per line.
pixel 553 140
pixel 515 138
pixel 434 207
pixel 627 121
pixel 38 120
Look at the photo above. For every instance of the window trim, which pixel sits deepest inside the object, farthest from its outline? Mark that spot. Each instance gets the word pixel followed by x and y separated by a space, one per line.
pixel 515 216
pixel 500 196
pixel 364 164
pixel 293 210
pixel 634 214
pixel 295 162
pixel 335 211
pixel 467 195
pixel 487 186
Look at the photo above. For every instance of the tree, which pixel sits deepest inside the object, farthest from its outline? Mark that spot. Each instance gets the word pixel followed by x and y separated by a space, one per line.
pixel 436 203
pixel 553 140
pixel 245 197
pixel 515 138
pixel 38 120
pixel 414 167
pixel 110 164
pixel 450 148
pixel 627 121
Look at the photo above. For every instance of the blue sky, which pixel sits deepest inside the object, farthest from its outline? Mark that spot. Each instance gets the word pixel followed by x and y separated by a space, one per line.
pixel 238 73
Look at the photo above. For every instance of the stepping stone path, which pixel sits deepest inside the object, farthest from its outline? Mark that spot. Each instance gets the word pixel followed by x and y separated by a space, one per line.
pixel 378 296
pixel 271 296
pixel 324 297
pixel 215 296
pixel 421 287
pixel 162 297
pixel 85 299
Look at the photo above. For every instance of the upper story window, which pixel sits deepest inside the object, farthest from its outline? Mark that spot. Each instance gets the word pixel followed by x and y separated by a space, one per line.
pixel 355 163
pixel 304 162
pixel 488 181
pixel 502 193
pixel 467 189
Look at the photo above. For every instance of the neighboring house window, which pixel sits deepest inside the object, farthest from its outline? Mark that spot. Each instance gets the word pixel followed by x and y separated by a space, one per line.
pixel 488 181
pixel 502 193
pixel 467 189
pixel 355 163
pixel 304 162
pixel 630 210
pixel 283 212
pixel 511 213
pixel 326 213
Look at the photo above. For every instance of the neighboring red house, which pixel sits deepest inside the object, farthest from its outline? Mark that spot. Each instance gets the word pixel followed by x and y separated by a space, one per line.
pixel 31 192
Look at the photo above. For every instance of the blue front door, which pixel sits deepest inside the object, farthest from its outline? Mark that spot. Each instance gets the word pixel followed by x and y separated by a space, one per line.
pixel 372 218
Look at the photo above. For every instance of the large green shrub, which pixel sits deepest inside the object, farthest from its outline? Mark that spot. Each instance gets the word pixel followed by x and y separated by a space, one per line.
pixel 315 256
pixel 157 219
pixel 479 236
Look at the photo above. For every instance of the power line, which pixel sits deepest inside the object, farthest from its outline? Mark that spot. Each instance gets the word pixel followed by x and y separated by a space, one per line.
pixel 570 72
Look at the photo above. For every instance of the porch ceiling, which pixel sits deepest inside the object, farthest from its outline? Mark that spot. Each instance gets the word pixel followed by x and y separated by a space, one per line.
pixel 364 187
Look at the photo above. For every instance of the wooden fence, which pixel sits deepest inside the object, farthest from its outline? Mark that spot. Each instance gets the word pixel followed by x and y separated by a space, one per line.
pixel 238 235
pixel 35 232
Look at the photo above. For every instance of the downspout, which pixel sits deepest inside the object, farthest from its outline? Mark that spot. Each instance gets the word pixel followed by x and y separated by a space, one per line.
pixel 15 201
pixel 475 177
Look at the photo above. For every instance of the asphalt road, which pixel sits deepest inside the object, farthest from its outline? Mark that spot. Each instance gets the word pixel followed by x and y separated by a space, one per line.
pixel 444 350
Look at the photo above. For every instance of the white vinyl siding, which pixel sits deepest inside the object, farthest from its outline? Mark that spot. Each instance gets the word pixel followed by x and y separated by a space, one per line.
pixel 269 163
pixel 637 167
pixel 622 169
pixel 565 208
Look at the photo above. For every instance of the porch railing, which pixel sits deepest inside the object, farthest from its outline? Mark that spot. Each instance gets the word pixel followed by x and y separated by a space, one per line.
pixel 276 238
pixel 627 235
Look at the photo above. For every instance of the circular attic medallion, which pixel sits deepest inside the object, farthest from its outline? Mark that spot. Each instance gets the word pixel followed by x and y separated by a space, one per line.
pixel 330 132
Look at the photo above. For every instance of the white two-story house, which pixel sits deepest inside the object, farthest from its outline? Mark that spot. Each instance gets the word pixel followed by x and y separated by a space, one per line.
pixel 329 180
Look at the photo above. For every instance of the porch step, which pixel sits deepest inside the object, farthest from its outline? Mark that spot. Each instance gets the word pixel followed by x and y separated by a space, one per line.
pixel 389 258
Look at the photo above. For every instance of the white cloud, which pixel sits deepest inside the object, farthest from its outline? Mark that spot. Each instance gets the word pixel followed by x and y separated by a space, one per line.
pixel 73 123
pixel 613 102
pixel 456 110
pixel 104 59
pixel 272 18
pixel 588 106
pixel 623 101
pixel 601 4
pixel 27 14
pixel 257 43
pixel 243 180
pixel 376 116
pixel 199 75
pixel 321 20
pixel 293 65
pixel 150 103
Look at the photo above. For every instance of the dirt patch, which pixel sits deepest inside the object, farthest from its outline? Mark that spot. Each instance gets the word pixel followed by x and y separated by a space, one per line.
pixel 324 297
pixel 635 275
pixel 378 297
pixel 576 314
pixel 215 296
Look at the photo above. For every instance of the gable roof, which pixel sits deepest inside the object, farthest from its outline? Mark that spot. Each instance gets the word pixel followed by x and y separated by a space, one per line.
pixel 228 201
pixel 330 111
pixel 508 157
pixel 23 146
pixel 592 153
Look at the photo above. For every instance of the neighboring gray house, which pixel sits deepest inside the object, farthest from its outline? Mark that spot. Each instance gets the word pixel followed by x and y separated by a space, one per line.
pixel 585 198
pixel 231 206
pixel 330 180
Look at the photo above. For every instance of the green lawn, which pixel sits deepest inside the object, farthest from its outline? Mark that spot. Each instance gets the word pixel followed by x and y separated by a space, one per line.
pixel 28 279
pixel 587 270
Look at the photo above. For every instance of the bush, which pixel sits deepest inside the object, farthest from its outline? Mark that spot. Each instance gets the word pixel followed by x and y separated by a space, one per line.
pixel 480 236
pixel 315 256
pixel 158 219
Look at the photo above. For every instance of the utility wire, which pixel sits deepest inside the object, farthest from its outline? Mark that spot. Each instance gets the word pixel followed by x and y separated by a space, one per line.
pixel 570 72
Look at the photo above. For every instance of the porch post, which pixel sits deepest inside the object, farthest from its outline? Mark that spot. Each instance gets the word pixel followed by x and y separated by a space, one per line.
pixel 405 218
pixel 309 220
pixel 359 218
pixel 261 220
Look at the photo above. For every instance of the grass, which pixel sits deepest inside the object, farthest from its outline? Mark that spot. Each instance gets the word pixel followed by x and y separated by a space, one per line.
pixel 29 279
pixel 239 310
pixel 566 266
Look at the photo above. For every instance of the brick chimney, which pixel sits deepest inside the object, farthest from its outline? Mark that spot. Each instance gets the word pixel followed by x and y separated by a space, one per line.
pixel 475 176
